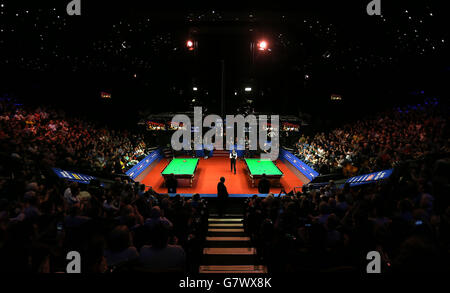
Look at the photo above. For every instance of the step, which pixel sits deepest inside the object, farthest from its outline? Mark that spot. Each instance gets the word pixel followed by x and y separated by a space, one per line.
pixel 212 238
pixel 226 215
pixel 225 230
pixel 228 244
pixel 226 225
pixel 230 251
pixel 229 259
pixel 225 233
pixel 244 269
pixel 225 220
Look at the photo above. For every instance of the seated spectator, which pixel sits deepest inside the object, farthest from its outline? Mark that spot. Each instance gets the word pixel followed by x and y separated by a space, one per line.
pixel 31 208
pixel 156 217
pixel 333 235
pixel 71 194
pixel 120 249
pixel 196 201
pixel 75 218
pixel 161 256
pixel 323 213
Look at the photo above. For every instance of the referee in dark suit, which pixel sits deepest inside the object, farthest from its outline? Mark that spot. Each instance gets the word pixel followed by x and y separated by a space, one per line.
pixel 233 157
pixel 222 195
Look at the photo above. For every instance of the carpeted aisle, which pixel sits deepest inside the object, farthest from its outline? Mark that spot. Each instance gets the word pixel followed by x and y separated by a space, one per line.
pixel 210 170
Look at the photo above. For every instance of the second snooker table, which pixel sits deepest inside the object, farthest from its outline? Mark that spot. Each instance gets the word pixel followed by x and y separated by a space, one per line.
pixel 183 169
pixel 257 167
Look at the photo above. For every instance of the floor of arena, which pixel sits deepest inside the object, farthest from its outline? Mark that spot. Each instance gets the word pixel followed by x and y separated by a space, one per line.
pixel 209 172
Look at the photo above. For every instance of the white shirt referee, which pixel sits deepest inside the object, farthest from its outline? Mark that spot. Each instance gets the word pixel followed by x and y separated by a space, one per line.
pixel 233 157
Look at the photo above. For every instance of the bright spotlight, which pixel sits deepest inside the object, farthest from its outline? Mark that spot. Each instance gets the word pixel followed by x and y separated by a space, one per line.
pixel 195 88
pixel 248 89
pixel 190 45
pixel 262 45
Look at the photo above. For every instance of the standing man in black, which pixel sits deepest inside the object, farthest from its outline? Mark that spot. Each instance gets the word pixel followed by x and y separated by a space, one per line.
pixel 264 185
pixel 222 195
pixel 233 158
pixel 171 184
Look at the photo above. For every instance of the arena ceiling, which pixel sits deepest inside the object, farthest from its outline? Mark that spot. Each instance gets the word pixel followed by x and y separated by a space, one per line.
pixel 137 52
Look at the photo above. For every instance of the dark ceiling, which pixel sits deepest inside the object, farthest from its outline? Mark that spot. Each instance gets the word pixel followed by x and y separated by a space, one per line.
pixel 137 51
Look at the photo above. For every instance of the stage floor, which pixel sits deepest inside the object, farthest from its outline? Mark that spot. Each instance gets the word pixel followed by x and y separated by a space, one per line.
pixel 209 172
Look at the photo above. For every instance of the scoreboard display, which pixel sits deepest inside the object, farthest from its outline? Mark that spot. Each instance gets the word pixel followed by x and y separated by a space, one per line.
pixel 105 95
pixel 151 125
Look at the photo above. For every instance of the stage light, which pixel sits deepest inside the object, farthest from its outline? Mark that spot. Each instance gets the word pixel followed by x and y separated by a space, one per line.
pixel 248 89
pixel 190 45
pixel 262 45
pixel 194 88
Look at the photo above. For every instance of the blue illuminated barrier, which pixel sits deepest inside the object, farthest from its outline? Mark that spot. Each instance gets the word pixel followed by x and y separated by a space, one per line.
pixel 302 169
pixel 73 176
pixel 141 169
pixel 369 178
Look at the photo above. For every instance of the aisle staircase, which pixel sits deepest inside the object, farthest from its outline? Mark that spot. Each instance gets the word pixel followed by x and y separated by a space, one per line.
pixel 228 248
pixel 167 153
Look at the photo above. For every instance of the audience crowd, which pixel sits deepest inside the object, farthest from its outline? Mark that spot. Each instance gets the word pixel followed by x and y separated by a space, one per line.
pixel 122 226
pixel 379 142
pixel 47 138
pixel 407 220
pixel 116 225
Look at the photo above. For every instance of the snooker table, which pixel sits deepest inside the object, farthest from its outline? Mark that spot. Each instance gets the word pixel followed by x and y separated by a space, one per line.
pixel 257 167
pixel 183 169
